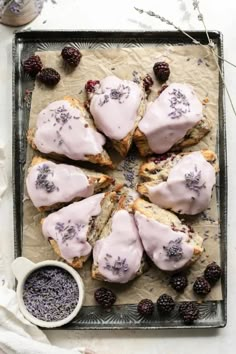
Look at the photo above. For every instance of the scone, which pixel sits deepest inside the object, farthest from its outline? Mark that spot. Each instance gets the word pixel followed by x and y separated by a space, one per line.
pixel 117 106
pixel 52 185
pixel 182 183
pixel 65 130
pixel 170 244
pixel 73 230
pixel 173 121
pixel 118 254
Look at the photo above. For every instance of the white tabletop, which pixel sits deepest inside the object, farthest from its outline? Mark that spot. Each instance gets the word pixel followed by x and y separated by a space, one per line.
pixel 105 14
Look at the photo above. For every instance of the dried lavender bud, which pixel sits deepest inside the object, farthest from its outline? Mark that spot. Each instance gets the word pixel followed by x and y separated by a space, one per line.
pixel 174 249
pixel 119 265
pixel 42 181
pixel 192 180
pixel 69 231
pixel 120 94
pixel 50 294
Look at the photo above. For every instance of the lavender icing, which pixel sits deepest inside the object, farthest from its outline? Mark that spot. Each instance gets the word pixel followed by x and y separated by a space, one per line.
pixel 118 256
pixel 114 106
pixel 170 116
pixel 63 129
pixel 170 250
pixel 69 226
pixel 49 183
pixel 188 188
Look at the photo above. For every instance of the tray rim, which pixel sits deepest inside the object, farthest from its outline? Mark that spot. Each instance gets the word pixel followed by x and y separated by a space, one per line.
pixel 22 35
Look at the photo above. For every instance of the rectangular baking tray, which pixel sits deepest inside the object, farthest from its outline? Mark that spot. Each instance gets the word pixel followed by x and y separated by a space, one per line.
pixel 212 313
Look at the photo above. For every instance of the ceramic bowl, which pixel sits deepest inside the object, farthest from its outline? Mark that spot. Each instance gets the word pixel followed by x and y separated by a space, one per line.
pixel 22 268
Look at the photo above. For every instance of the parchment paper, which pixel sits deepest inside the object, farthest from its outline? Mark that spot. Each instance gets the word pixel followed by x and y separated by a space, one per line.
pixel 189 64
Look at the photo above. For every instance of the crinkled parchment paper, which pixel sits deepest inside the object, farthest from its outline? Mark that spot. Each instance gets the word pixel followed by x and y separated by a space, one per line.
pixel 189 64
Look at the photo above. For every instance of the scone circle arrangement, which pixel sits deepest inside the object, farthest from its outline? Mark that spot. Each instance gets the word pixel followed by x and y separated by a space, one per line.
pixel 118 234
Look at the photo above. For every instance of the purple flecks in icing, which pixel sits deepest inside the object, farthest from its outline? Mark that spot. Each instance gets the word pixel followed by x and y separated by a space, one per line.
pixel 178 99
pixel 192 181
pixel 69 231
pixel 42 181
pixel 121 93
pixel 119 265
pixel 174 249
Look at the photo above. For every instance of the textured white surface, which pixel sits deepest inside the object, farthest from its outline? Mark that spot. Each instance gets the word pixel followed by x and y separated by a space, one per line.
pixel 105 14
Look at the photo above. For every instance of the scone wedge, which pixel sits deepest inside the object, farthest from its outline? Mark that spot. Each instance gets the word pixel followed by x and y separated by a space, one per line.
pixel 73 230
pixel 180 182
pixel 173 121
pixel 117 106
pixel 170 244
pixel 118 254
pixel 64 130
pixel 52 185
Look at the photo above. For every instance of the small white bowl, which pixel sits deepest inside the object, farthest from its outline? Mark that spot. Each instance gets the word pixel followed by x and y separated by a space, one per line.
pixel 22 268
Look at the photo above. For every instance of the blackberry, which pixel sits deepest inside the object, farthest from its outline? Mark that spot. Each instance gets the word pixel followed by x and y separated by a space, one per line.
pixel 33 65
pixel 179 282
pixel 71 56
pixel 105 297
pixel 165 303
pixel 145 307
pixel 212 273
pixel 49 76
pixel 201 286
pixel 189 312
pixel 162 71
pixel 90 85
pixel 147 83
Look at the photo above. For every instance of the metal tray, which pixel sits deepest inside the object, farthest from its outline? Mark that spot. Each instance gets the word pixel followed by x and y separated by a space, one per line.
pixel 212 313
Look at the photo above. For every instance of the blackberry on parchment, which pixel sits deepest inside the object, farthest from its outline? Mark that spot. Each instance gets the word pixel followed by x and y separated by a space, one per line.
pixel 162 71
pixel 49 76
pixel 71 56
pixel 212 273
pixel 33 65
pixel 201 286
pixel 178 282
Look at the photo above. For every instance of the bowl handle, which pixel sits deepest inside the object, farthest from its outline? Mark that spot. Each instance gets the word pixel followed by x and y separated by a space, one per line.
pixel 21 266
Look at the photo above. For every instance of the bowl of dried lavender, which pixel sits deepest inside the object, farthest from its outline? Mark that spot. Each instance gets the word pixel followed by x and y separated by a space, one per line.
pixel 50 293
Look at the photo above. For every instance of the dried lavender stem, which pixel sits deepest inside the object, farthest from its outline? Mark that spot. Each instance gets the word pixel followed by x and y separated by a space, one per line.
pixel 162 19
pixel 201 18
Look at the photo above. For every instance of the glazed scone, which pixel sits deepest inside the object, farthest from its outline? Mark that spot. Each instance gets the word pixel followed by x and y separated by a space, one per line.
pixel 52 185
pixel 117 106
pixel 118 254
pixel 182 183
pixel 65 130
pixel 73 230
pixel 173 121
pixel 170 244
